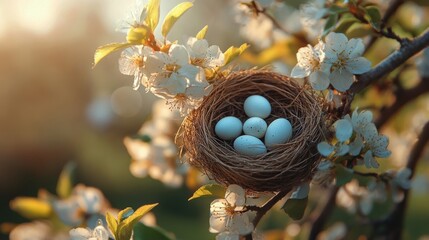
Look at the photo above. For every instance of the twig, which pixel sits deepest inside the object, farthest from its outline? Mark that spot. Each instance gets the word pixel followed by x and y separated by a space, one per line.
pixel 265 208
pixel 320 220
pixel 402 98
pixel 393 61
pixel 393 7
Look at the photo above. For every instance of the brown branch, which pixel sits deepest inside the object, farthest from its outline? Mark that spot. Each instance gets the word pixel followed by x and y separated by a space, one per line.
pixel 393 61
pixel 402 98
pixel 323 216
pixel 265 208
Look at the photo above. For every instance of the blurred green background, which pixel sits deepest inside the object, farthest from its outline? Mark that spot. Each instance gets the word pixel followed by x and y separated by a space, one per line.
pixel 55 108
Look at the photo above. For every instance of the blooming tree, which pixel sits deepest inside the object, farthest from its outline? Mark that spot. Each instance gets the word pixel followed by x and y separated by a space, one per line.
pixel 327 45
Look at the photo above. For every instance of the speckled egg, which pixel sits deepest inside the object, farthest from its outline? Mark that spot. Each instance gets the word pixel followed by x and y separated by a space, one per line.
pixel 255 126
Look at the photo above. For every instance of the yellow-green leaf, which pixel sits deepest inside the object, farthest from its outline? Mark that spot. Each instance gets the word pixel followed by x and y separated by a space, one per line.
pixel 138 35
pixel 202 33
pixel 105 50
pixel 152 18
pixel 112 223
pixel 233 52
pixel 209 190
pixel 65 181
pixel 125 213
pixel 125 227
pixel 32 208
pixel 174 15
pixel 139 213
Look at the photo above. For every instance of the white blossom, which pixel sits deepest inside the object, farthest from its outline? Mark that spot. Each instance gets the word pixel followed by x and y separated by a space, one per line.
pixel 227 216
pixel 312 12
pixel 175 79
pixel 313 64
pixel 203 55
pixel 134 19
pixel 132 62
pixel 37 230
pixel 98 233
pixel 346 58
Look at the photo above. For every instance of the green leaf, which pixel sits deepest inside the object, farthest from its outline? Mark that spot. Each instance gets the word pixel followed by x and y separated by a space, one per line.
pixel 209 190
pixel 105 50
pixel 233 52
pixel 152 17
pixel 125 227
pixel 143 232
pixel 295 208
pixel 202 33
pixel 330 24
pixel 174 15
pixel 359 30
pixel 373 16
pixel 65 181
pixel 337 9
pixel 343 175
pixel 112 223
pixel 344 24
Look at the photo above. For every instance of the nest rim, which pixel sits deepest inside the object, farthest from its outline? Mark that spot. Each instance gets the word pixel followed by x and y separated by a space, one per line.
pixel 281 168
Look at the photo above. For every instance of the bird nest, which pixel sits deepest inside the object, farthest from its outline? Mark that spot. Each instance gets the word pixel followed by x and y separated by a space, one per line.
pixel 288 165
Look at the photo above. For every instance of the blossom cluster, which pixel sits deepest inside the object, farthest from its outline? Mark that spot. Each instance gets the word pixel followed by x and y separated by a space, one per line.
pixel 358 199
pixel 332 62
pixel 172 71
pixel 357 136
pixel 153 151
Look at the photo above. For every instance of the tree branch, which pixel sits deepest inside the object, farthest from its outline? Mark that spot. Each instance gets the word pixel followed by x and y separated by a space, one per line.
pixel 323 216
pixel 393 7
pixel 265 208
pixel 396 220
pixel 393 61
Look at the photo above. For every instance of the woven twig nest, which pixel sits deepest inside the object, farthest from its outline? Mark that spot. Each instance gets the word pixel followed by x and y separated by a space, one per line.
pixel 281 168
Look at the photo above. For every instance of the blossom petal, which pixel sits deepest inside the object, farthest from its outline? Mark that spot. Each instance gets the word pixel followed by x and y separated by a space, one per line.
pixel 325 148
pixel 354 48
pixel 319 80
pixel 217 224
pixel 79 233
pixel 179 54
pixel 336 41
pixel 358 65
pixel 342 149
pixel 341 80
pixel 370 161
pixel 240 223
pixel 356 146
pixel 301 192
pixel 214 56
pixel 235 195
pixel 228 236
pixel 199 48
pixel 218 207
pixel 300 72
pixel 343 130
